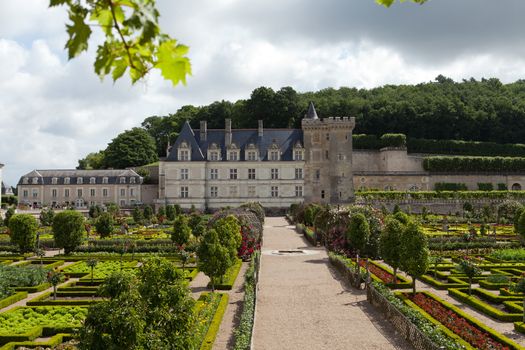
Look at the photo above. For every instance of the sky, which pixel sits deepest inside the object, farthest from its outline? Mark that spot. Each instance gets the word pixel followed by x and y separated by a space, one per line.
pixel 54 111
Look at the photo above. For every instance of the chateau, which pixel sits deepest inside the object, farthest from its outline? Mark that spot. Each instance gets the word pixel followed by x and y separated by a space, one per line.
pixel 215 168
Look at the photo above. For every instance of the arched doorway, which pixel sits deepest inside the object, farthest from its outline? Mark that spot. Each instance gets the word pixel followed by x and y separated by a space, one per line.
pixel 516 187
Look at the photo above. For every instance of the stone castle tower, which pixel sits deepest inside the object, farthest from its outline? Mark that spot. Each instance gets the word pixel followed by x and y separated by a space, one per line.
pixel 328 158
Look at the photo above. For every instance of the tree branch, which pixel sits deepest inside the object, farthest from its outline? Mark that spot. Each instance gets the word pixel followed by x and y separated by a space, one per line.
pixel 111 6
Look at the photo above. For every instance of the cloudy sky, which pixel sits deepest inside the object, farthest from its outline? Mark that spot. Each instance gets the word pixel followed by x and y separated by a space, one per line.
pixel 54 111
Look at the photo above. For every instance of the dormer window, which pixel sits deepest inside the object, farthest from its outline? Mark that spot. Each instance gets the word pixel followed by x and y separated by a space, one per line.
pixel 184 151
pixel 92 180
pixel 67 181
pixel 54 181
pixel 80 181
pixel 274 155
pixel 214 155
pixel 122 180
pixel 132 180
pixel 25 181
pixel 105 180
pixel 251 152
pixel 35 180
pixel 298 151
pixel 233 152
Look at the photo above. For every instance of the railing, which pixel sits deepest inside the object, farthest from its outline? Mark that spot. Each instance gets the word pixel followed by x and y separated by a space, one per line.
pixel 402 324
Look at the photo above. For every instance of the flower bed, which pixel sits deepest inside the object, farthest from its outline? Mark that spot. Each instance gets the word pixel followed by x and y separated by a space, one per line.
pixel 385 276
pixel 468 329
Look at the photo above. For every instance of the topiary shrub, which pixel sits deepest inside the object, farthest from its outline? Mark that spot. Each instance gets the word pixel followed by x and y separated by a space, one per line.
pixel 23 229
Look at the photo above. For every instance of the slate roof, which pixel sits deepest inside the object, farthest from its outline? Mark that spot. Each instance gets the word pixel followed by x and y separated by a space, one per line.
pixel 45 176
pixel 285 139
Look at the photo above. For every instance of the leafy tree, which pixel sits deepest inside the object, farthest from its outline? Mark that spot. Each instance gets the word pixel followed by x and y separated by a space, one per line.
pixel 133 40
pixel 54 278
pixel 390 241
pixel 138 215
pixel 521 224
pixel 414 252
pixel 229 233
pixel 131 148
pixel 435 260
pixel 92 263
pixel 95 211
pixel 94 160
pixel 104 224
pixel 170 212
pixel 23 229
pixel 153 310
pixel 388 3
pixel 358 232
pixel 161 212
pixel 8 214
pixel 181 230
pixel 46 217
pixel 148 212
pixel 113 209
pixel 470 269
pixel 68 229
pixel 214 258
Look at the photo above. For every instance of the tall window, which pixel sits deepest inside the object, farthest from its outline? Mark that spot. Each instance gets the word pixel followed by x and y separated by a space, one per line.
pixel 298 154
pixel 80 181
pixel 184 174
pixel 233 155
pixel 233 174
pixel 92 180
pixel 274 155
pixel 298 191
pixel 214 155
pixel 54 193
pixel 104 192
pixel 25 193
pixel 252 155
pixel 251 174
pixel 214 174
pixel 184 154
pixel 79 192
pixel 274 191
pixel 275 174
pixel 317 174
pixel 66 192
pixel 122 192
pixel 35 193
pixel 132 192
pixel 322 194
pixel 298 173
pixel 184 192
pixel 214 190
pixel 233 191
pixel 252 192
pixel 92 192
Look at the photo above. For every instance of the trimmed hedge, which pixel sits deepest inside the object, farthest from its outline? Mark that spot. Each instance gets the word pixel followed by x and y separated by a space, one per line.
pixel 55 340
pixel 441 285
pixel 483 307
pixel 461 164
pixel 46 300
pixel 12 299
pixel 34 289
pixel 450 186
pixel 229 277
pixel 467 148
pixel 213 329
pixel 432 195
pixel 495 335
pixel 519 327
pixel 362 141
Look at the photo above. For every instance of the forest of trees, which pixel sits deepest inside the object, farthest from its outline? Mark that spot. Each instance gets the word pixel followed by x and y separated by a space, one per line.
pixel 485 110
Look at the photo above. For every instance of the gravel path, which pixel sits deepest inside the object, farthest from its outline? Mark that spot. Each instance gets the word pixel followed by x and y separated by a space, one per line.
pixel 302 305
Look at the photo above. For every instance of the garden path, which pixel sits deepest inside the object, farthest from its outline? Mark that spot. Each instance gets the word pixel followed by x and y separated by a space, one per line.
pixel 230 320
pixel 302 303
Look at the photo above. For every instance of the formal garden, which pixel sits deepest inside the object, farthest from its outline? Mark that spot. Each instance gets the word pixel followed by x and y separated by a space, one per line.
pixel 117 281
pixel 469 269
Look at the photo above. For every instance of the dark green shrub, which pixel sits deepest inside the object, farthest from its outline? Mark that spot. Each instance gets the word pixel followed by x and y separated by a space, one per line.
pixel 450 186
pixel 460 164
pixel 23 229
pixel 393 140
pixel 485 186
pixel 68 229
pixel 104 225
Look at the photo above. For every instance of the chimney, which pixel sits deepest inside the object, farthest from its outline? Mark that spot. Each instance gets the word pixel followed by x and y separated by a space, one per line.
pixel 227 132
pixel 260 129
pixel 204 130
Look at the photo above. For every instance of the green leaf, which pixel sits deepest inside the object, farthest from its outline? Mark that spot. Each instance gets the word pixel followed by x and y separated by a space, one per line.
pixel 172 63
pixel 53 3
pixel 79 32
pixel 119 68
